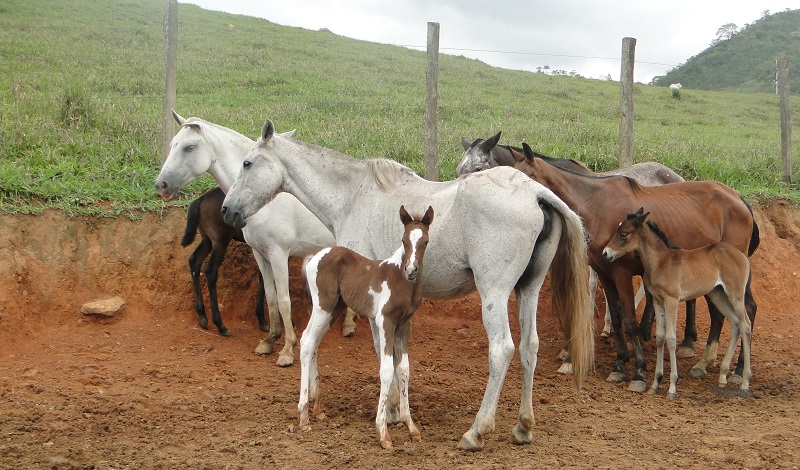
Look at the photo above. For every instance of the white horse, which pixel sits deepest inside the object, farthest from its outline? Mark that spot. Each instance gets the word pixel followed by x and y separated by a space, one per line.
pixel 281 229
pixel 479 241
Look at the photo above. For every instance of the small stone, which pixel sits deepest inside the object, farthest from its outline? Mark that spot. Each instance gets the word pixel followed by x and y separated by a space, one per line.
pixel 107 307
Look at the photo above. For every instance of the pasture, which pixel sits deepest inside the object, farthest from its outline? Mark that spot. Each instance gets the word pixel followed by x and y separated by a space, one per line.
pixel 151 388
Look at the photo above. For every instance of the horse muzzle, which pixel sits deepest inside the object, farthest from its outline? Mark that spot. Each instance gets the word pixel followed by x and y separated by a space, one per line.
pixel 233 218
pixel 609 255
pixel 166 193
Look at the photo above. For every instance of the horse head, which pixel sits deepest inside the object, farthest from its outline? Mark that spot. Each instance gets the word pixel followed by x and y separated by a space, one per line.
pixel 190 156
pixel 415 241
pixel 626 238
pixel 478 155
pixel 259 180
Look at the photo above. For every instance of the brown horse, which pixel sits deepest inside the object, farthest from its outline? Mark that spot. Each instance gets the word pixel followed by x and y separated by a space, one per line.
pixel 385 291
pixel 693 214
pixel 204 216
pixel 671 274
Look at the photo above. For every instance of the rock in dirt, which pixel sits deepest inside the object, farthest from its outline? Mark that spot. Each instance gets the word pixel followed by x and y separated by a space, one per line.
pixel 104 307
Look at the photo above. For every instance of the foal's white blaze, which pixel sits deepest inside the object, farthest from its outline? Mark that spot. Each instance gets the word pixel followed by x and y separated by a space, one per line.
pixel 413 237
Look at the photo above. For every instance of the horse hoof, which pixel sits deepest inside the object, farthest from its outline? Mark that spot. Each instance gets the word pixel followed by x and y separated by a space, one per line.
pixel 305 427
pixel 285 360
pixel 386 444
pixel 224 332
pixel 672 396
pixel 616 377
pixel 470 442
pixel 203 323
pixel 697 372
pixel 638 386
pixel 519 436
pixel 566 368
pixel 685 351
pixel 605 334
pixel 348 330
pixel 263 348
pixel 263 327
pixel 735 379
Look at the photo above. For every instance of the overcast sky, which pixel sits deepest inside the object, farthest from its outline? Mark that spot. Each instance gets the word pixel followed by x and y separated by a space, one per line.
pixel 584 36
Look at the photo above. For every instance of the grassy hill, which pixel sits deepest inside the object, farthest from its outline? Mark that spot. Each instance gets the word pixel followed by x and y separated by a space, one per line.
pixel 744 63
pixel 81 84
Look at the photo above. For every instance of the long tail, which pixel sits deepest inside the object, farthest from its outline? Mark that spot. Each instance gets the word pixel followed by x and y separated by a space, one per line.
pixel 569 286
pixel 192 222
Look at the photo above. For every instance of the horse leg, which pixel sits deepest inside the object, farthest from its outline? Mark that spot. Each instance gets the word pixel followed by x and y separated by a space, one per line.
pixel 212 272
pixel 262 322
pixel 402 376
pixel 318 325
pixel 709 356
pixel 592 290
pixel 280 271
pixel 646 326
pixel 195 266
pixel 386 328
pixel 661 334
pixel 671 314
pixel 686 349
pixel 349 324
pixel 267 345
pixel 750 307
pixel 612 301
pixel 494 307
pixel 527 300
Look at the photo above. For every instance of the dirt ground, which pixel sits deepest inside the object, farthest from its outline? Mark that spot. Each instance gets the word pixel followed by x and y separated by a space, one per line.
pixel 149 389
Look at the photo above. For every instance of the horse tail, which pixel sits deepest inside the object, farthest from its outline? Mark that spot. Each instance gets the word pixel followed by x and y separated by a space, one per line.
pixel 755 240
pixel 569 286
pixel 192 222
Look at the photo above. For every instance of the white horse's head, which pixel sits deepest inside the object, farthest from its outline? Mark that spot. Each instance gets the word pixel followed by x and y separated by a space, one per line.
pixel 259 180
pixel 190 156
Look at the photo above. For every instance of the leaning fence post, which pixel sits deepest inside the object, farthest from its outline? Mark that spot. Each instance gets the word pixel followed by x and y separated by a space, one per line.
pixel 431 104
pixel 626 103
pixel 786 119
pixel 170 66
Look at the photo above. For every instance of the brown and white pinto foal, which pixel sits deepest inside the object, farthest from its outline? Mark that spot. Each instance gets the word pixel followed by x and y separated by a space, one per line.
pixel 385 291
pixel 671 274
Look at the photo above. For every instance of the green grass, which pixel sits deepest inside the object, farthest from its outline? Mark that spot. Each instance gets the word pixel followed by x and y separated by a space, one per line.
pixel 81 84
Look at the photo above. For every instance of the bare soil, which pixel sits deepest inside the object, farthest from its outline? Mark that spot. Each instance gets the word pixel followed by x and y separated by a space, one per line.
pixel 148 388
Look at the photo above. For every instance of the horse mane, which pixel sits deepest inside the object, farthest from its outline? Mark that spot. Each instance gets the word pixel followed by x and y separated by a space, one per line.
pixel 663 236
pixel 388 173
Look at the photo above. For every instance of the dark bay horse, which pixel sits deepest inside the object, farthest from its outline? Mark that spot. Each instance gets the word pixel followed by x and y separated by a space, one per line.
pixel 215 236
pixel 385 291
pixel 692 214
pixel 482 154
pixel 719 271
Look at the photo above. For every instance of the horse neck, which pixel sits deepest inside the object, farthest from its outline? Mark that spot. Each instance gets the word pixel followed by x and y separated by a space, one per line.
pixel 322 179
pixel 651 250
pixel 229 149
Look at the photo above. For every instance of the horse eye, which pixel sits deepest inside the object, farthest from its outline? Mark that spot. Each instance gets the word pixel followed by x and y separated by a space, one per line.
pixel 247 163
pixel 188 148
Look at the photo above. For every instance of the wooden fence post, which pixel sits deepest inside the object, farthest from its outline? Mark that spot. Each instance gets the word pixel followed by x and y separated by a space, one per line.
pixel 170 67
pixel 786 119
pixel 431 104
pixel 626 103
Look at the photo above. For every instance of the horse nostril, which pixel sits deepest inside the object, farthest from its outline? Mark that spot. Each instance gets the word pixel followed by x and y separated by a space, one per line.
pixel 224 210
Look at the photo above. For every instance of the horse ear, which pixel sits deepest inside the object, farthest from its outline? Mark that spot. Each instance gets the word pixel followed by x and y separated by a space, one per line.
pixel 267 131
pixel 289 134
pixel 491 142
pixel 465 143
pixel 640 211
pixel 639 220
pixel 528 152
pixel 405 217
pixel 178 118
pixel 518 157
pixel 427 219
